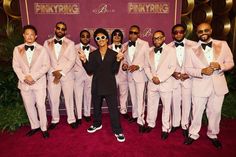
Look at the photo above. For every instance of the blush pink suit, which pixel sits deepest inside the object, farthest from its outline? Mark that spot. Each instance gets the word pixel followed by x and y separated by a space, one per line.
pixel 65 63
pixel 181 105
pixel 137 79
pixel 122 84
pixel 163 71
pixel 82 87
pixel 35 93
pixel 208 91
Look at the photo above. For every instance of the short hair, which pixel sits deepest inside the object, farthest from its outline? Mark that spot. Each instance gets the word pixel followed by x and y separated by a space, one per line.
pixel 63 23
pixel 160 32
pixel 178 25
pixel 30 27
pixel 117 31
pixel 102 31
pixel 83 32
pixel 135 26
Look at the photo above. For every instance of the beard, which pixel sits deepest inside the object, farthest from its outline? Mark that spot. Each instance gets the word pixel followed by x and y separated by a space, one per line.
pixel 205 39
pixel 59 35
pixel 84 43
pixel 179 40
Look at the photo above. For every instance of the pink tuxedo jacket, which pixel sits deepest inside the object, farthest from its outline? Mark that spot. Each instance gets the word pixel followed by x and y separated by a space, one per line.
pixel 196 61
pixel 78 68
pixel 39 66
pixel 121 76
pixel 65 61
pixel 163 71
pixel 142 49
pixel 188 44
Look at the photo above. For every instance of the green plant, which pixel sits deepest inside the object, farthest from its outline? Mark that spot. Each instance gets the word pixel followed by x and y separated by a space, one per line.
pixel 12 117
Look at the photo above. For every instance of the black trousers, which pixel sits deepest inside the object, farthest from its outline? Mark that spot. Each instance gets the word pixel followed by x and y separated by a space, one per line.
pixel 112 104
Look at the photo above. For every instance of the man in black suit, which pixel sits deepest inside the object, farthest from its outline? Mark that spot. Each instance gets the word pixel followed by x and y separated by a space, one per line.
pixel 103 64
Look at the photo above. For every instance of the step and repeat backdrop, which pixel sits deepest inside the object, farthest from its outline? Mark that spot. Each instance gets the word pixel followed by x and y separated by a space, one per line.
pixel 150 15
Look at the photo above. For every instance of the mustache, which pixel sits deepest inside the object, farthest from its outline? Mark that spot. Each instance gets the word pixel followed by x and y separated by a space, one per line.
pixel 204 34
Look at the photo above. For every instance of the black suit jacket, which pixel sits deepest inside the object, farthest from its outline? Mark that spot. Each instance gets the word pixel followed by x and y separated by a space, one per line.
pixel 104 82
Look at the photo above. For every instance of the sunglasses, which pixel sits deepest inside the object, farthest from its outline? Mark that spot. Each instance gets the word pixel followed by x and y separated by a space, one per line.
pixel 158 38
pixel 59 28
pixel 132 32
pixel 178 32
pixel 203 31
pixel 100 38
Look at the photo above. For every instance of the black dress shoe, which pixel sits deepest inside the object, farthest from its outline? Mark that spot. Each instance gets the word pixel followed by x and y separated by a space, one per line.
pixel 185 133
pixel 173 129
pixel 216 143
pixel 126 116
pixel 45 134
pixel 148 129
pixel 52 126
pixel 32 132
pixel 141 128
pixel 188 141
pixel 164 135
pixel 131 120
pixel 79 121
pixel 74 125
pixel 87 118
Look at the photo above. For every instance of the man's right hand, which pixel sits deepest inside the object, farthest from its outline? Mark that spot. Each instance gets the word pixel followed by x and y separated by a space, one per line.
pixel 207 71
pixel 155 80
pixel 125 67
pixel 82 57
pixel 177 75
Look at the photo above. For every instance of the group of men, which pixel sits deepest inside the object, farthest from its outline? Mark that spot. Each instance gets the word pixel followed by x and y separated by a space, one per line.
pixel 187 76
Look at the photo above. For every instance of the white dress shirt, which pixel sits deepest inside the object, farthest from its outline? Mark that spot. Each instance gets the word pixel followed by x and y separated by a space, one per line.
pixel 131 51
pixel 57 48
pixel 208 52
pixel 180 54
pixel 30 53
pixel 86 52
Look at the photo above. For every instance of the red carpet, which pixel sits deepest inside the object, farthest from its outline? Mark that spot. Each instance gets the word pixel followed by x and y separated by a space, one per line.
pixel 66 142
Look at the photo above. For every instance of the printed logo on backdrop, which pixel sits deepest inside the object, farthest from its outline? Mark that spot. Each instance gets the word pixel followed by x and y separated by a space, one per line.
pixel 103 9
pixel 147 32
pixel 57 8
pixel 148 8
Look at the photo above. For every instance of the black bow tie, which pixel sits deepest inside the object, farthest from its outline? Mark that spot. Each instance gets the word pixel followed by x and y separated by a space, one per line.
pixel 132 43
pixel 57 41
pixel 85 48
pixel 29 47
pixel 208 44
pixel 179 44
pixel 117 46
pixel 156 49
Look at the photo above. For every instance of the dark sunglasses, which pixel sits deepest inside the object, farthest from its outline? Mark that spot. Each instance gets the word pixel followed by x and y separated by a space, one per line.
pixel 59 28
pixel 203 31
pixel 178 32
pixel 158 38
pixel 132 32
pixel 100 38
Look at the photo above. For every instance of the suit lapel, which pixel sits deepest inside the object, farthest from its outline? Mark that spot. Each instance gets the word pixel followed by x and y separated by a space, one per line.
pixel 152 58
pixel 200 54
pixel 137 48
pixel 216 50
pixel 51 47
pixel 23 55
